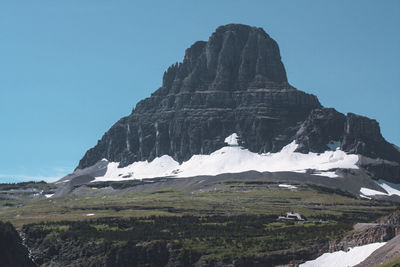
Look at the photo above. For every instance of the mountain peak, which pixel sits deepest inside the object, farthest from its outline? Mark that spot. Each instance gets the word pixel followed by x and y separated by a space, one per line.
pixel 236 57
pixel 240 29
pixel 236 83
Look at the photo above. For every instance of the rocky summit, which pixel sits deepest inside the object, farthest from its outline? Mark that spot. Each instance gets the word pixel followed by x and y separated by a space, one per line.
pixel 236 83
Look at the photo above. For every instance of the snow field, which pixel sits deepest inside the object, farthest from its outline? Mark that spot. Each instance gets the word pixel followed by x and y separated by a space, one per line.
pixel 233 159
pixel 344 259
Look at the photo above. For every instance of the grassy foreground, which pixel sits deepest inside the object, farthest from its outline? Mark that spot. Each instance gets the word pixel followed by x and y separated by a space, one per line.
pixel 229 221
pixel 226 199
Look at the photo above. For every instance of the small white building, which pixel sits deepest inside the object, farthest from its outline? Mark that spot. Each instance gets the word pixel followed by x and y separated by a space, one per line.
pixel 291 216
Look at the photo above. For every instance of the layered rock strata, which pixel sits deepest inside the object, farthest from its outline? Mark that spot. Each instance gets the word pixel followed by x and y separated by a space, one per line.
pixel 236 83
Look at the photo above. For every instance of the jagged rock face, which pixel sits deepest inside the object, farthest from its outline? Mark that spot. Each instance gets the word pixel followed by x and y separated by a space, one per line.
pixel 354 134
pixel 373 234
pixel 323 126
pixel 236 57
pixel 235 82
pixel 363 136
pixel 391 219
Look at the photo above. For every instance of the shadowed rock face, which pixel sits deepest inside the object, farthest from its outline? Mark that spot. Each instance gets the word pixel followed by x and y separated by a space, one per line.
pixel 12 251
pixel 354 134
pixel 322 126
pixel 236 82
pixel 363 136
pixel 236 57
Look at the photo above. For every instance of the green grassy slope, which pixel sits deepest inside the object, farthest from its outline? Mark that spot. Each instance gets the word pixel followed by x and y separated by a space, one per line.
pixel 227 221
pixel 227 198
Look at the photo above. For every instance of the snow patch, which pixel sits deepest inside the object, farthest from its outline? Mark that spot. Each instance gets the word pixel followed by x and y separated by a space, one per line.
pixel 362 196
pixel 344 259
pixel 370 192
pixel 288 186
pixel 233 159
pixel 327 174
pixel 232 140
pixel 391 189
pixel 48 195
pixel 159 167
pixel 90 214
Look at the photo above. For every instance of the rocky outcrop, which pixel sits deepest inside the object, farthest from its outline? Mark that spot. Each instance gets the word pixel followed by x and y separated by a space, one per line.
pixel 363 136
pixel 322 128
pixel 385 229
pixel 391 219
pixel 352 133
pixel 364 236
pixel 381 168
pixel 12 251
pixel 325 129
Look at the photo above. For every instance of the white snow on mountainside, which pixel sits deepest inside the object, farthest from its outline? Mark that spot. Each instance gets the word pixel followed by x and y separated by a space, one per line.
pixel 391 189
pixel 232 159
pixel 344 259
pixel 232 140
pixel 370 192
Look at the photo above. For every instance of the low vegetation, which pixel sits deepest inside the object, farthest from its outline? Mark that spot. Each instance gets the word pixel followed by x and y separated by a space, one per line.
pixel 232 220
pixel 214 238
pixel 227 199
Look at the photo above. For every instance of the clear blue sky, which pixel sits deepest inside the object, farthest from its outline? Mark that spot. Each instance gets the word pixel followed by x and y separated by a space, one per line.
pixel 70 69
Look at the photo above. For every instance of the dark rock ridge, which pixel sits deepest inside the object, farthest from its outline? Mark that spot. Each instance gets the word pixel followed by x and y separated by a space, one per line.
pixel 353 133
pixel 234 82
pixel 325 128
pixel 322 126
pixel 12 251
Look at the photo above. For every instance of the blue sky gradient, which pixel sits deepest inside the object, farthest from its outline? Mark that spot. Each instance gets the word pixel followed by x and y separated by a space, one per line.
pixel 70 69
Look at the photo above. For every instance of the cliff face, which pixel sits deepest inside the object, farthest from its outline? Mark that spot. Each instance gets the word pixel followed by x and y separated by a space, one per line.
pixel 236 82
